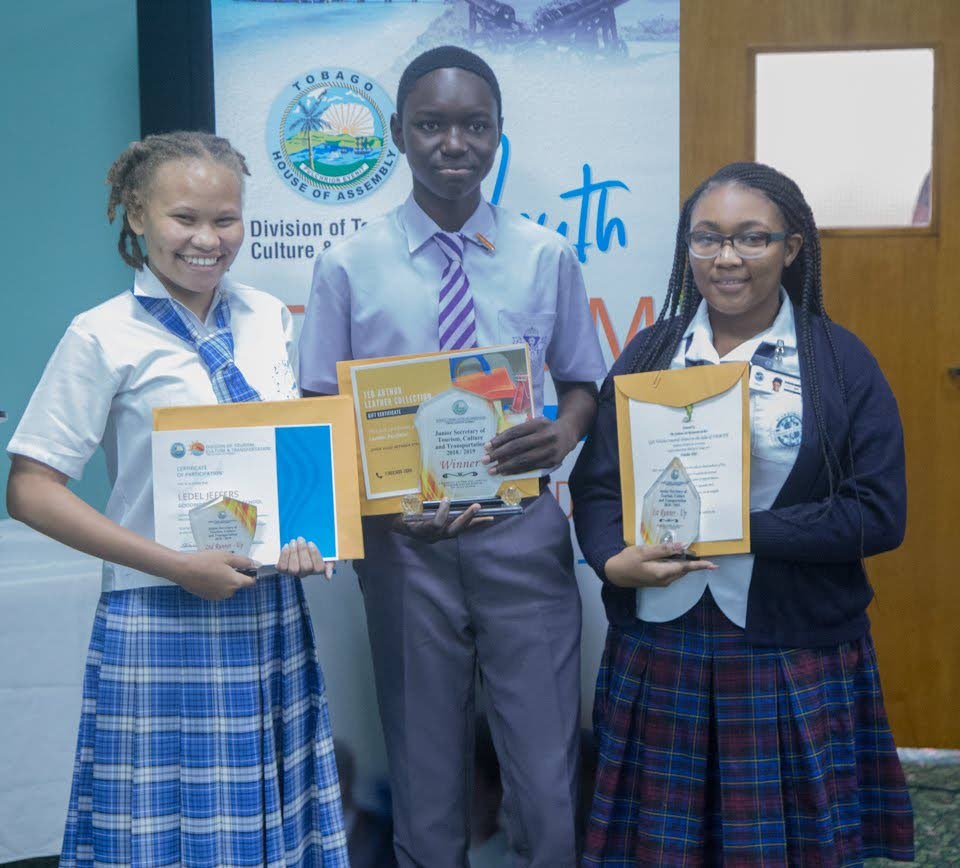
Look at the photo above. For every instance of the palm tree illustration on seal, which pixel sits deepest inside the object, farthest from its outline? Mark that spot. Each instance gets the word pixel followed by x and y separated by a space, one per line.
pixel 311 121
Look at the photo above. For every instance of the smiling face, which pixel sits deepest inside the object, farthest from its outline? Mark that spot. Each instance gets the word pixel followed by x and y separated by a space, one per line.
pixel 743 293
pixel 191 222
pixel 450 132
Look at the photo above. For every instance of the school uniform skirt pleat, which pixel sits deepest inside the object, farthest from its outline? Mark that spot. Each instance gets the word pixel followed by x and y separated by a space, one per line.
pixel 204 735
pixel 716 752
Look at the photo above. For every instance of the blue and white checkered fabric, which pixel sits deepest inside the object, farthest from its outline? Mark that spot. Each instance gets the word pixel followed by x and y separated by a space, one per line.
pixel 215 349
pixel 204 735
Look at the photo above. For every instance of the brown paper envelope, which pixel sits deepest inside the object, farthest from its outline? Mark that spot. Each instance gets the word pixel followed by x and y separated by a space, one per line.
pixel 335 411
pixel 678 388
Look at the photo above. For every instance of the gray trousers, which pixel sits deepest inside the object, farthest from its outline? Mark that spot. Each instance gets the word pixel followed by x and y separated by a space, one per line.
pixel 503 596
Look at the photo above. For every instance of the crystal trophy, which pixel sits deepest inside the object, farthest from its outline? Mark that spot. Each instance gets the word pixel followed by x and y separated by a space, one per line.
pixel 671 509
pixel 224 524
pixel 453 427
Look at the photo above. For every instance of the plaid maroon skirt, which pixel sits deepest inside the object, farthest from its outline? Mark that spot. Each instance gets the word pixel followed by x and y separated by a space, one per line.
pixel 716 752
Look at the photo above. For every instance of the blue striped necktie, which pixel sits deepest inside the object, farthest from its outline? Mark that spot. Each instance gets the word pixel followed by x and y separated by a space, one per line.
pixel 457 324
pixel 215 349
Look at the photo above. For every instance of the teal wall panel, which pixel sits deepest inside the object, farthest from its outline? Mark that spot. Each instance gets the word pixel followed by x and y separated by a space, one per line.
pixel 68 80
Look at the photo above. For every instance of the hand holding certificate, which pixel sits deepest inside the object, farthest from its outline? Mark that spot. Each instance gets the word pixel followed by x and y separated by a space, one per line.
pixel 684 457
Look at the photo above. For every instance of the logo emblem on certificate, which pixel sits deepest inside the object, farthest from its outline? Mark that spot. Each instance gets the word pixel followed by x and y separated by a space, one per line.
pixel 224 525
pixel 671 508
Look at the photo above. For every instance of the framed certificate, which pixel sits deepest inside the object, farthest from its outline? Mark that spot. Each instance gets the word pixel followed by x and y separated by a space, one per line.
pixel 422 422
pixel 684 441
pixel 268 470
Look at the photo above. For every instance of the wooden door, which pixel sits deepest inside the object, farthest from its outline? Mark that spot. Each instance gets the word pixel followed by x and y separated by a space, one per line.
pixel 898 290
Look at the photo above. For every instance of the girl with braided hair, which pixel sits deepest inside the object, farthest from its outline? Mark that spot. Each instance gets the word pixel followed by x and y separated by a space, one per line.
pixel 204 734
pixel 738 709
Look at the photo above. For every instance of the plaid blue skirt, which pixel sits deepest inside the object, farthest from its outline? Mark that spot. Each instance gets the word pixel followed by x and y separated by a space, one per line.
pixel 204 735
pixel 716 752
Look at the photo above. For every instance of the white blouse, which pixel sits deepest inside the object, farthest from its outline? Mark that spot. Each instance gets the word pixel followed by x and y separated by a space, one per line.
pixel 775 418
pixel 114 365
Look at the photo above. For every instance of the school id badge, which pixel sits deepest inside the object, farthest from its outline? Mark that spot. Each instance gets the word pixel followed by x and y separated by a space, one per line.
pixel 777 406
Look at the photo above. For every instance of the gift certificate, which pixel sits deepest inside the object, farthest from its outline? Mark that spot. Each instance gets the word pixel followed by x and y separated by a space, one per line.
pixel 423 421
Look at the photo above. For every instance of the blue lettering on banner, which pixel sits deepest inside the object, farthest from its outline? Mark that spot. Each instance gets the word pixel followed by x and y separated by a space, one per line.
pixel 605 230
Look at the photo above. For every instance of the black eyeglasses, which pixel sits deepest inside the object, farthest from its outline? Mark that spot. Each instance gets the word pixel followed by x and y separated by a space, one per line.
pixel 751 244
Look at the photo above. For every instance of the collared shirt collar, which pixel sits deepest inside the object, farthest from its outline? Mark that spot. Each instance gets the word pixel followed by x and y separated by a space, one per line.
pixel 145 282
pixel 698 338
pixel 420 227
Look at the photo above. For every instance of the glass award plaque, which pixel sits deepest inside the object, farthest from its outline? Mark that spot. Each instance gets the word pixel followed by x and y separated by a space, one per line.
pixel 671 508
pixel 453 427
pixel 224 525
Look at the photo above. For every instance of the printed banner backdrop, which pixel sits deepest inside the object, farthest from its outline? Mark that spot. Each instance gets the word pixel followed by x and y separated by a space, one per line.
pixel 591 142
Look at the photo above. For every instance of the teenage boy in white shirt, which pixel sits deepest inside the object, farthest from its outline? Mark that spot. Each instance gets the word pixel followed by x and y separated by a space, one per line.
pixel 448 270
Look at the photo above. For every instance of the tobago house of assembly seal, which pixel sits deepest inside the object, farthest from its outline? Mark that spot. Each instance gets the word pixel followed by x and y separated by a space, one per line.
pixel 328 136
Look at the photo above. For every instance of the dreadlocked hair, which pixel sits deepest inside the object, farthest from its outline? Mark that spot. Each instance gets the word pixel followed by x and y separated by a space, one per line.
pixel 133 172
pixel 801 279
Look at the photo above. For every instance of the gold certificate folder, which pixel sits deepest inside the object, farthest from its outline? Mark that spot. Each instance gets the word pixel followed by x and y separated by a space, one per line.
pixel 334 411
pixel 681 388
pixel 414 378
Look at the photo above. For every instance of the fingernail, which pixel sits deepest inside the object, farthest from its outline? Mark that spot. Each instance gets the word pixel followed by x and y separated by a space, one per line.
pixel 300 539
pixel 485 459
pixel 286 547
pixel 292 542
pixel 312 545
pixel 488 446
pixel 678 547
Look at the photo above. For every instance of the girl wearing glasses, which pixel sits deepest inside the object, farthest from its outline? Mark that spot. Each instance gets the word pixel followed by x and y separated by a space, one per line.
pixel 738 708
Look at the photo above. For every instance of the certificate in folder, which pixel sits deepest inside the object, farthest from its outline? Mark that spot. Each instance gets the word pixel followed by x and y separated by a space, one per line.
pixel 398 399
pixel 692 424
pixel 292 465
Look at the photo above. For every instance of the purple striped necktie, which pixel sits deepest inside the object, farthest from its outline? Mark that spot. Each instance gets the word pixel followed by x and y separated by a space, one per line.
pixel 457 319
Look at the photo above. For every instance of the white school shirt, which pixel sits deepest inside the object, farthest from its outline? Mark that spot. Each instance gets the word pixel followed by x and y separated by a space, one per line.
pixel 377 294
pixel 772 456
pixel 115 363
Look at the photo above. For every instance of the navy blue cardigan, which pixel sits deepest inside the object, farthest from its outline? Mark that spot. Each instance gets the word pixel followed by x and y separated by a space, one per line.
pixel 809 587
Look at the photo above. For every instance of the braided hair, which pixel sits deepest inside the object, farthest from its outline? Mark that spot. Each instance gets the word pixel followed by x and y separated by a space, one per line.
pixel 133 172
pixel 801 279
